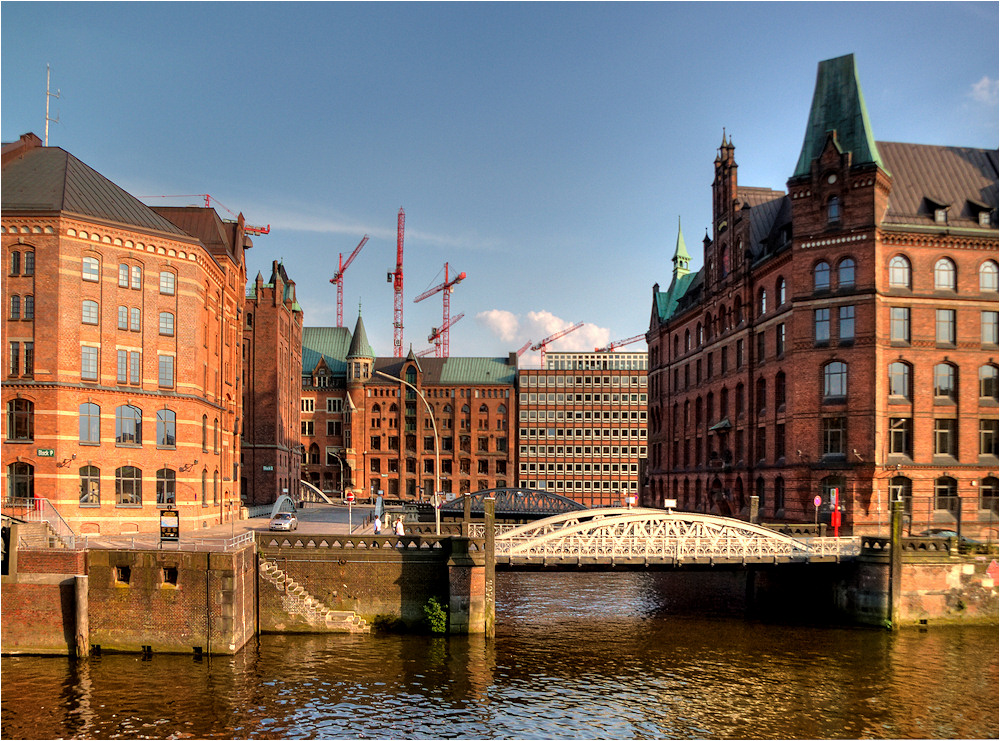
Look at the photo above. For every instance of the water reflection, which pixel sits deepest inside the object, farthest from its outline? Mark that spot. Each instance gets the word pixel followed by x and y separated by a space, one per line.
pixel 576 656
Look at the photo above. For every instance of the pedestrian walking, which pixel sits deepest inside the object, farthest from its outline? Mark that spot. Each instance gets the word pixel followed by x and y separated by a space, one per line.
pixel 378 525
pixel 399 526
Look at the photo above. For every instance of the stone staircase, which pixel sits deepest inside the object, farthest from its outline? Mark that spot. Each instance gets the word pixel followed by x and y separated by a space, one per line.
pixel 297 601
pixel 37 535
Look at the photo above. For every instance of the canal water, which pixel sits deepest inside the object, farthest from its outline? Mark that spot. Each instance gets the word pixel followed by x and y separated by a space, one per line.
pixel 576 656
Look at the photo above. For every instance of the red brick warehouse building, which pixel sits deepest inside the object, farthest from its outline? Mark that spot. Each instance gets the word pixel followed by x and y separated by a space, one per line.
pixel 364 430
pixel 121 355
pixel 840 340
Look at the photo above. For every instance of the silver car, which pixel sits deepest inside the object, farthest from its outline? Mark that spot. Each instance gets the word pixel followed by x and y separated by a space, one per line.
pixel 283 521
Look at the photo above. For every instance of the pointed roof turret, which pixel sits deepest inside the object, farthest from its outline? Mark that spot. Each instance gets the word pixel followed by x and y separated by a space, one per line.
pixel 838 107
pixel 360 348
pixel 681 258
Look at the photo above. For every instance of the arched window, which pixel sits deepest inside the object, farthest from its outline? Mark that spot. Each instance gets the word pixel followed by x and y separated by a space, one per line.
pixel 90 312
pixel 215 436
pixel 483 409
pixel 166 486
pixel 946 382
pixel 168 282
pixel 988 493
pixel 946 494
pixel 944 275
pixel 21 482
pixel 901 490
pixel 738 311
pixel 988 280
pixel 988 386
pixel 821 276
pixel 779 494
pixel 215 488
pixel 204 433
pixel 759 490
pixel 90 423
pixel 122 275
pixel 761 395
pixel 204 488
pixel 845 273
pixel 687 340
pixel 833 210
pixel 91 269
pixel 128 486
pixel 780 292
pixel 835 380
pixel 29 307
pixel 166 428
pixel 899 379
pixel 128 425
pixel 15 307
pixel 899 272
pixel 20 420
pixel 700 335
pixel 779 390
pixel 166 322
pixel 762 302
pixel 90 486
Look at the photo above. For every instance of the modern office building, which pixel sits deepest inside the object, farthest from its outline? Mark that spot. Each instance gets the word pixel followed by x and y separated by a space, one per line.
pixel 838 347
pixel 582 426
pixel 121 352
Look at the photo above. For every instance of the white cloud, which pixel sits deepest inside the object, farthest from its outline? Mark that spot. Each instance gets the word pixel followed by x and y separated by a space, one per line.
pixel 985 91
pixel 535 326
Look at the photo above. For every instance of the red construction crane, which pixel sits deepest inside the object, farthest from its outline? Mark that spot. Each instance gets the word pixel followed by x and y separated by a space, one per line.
pixel 552 338
pixel 426 352
pixel 524 348
pixel 620 343
pixel 446 288
pixel 439 336
pixel 396 278
pixel 338 279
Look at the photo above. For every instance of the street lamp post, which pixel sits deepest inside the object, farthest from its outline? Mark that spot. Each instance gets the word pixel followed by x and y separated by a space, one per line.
pixel 437 447
pixel 340 465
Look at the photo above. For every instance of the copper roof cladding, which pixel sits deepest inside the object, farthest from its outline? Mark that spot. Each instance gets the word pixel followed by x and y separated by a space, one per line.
pixel 51 179
pixel 962 178
pixel 330 343
pixel 454 371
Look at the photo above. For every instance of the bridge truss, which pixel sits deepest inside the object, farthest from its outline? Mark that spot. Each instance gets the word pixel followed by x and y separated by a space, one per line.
pixel 644 537
pixel 513 502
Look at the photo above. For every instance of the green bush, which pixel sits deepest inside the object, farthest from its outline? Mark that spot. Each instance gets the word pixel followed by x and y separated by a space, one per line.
pixel 435 616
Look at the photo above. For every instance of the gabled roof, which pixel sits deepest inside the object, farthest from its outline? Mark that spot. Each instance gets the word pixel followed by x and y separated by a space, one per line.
pixel 52 179
pixel 838 106
pixel 328 343
pixel 960 178
pixel 454 371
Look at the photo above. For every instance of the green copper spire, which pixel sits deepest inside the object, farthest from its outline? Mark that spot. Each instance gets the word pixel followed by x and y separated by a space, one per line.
pixel 681 257
pixel 838 106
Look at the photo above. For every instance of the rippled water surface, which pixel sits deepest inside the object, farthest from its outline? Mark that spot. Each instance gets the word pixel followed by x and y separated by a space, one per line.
pixel 576 656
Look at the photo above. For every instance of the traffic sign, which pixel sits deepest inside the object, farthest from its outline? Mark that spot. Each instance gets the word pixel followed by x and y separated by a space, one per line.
pixel 350 497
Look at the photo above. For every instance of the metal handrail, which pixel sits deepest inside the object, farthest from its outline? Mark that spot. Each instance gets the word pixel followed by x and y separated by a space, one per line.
pixel 40 509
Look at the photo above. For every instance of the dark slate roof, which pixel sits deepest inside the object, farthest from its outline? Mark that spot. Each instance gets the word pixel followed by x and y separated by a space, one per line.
pixel 838 105
pixel 962 178
pixel 329 343
pixel 764 207
pixel 52 179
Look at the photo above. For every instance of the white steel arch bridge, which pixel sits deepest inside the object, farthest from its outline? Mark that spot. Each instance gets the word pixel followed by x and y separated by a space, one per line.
pixel 653 537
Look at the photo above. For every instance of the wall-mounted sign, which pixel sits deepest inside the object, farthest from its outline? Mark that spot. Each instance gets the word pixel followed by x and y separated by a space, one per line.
pixel 46 452
pixel 268 468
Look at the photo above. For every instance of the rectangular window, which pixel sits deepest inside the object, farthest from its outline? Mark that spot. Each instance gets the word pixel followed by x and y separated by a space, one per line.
pixel 946 437
pixel 308 405
pixel 123 366
pixel 899 324
pixel 29 307
pixel 88 363
pixel 761 350
pixel 15 263
pixel 307 428
pixel 779 340
pixel 167 371
pixel 901 436
pixel 821 322
pixel 988 430
pixel 15 358
pixel 333 427
pixel 779 441
pixel 167 282
pixel 846 323
pixel 990 327
pixel 29 263
pixel 944 326
pixel 739 353
pixel 29 356
pixel 334 405
pixel 834 436
pixel 135 368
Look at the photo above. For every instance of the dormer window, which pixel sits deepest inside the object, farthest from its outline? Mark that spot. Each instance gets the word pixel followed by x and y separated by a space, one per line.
pixel 981 212
pixel 941 215
pixel 939 208
pixel 984 218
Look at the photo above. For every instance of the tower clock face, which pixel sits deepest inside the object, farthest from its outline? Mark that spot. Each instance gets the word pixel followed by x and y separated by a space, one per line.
pixel 832 178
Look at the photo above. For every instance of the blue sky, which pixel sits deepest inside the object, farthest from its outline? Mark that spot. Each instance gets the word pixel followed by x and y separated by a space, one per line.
pixel 547 150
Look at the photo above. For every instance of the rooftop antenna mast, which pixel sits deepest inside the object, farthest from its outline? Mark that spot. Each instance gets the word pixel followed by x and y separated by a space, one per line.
pixel 48 76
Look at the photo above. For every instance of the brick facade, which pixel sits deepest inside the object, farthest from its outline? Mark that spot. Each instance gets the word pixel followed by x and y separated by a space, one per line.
pixel 120 384
pixel 781 370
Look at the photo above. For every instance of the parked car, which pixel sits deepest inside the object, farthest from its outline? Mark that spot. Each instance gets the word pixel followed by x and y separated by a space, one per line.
pixel 940 532
pixel 283 521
